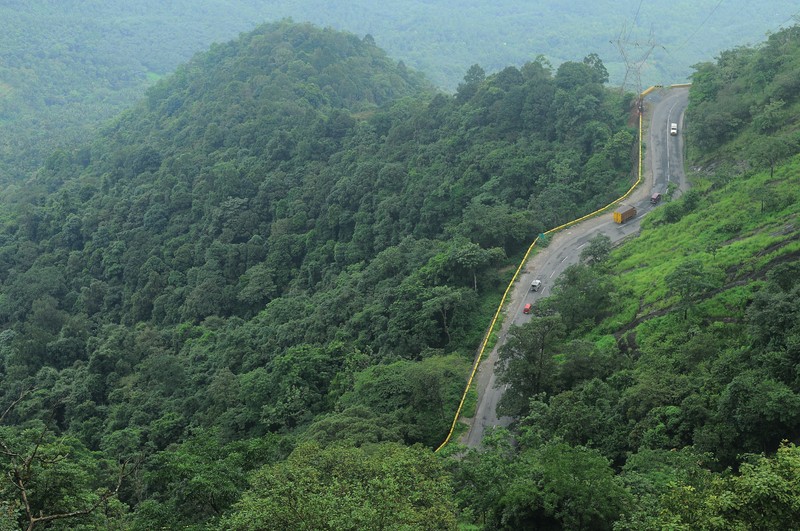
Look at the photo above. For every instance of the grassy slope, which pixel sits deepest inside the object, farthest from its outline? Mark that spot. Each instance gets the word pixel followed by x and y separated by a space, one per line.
pixel 728 232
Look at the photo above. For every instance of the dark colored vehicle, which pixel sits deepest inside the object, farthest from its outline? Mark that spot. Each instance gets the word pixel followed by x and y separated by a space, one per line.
pixel 655 198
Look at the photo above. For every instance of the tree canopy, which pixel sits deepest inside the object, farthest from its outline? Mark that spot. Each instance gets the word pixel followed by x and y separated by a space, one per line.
pixel 254 299
pixel 290 238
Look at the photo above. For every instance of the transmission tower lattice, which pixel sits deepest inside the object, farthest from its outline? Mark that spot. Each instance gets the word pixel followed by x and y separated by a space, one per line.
pixel 633 62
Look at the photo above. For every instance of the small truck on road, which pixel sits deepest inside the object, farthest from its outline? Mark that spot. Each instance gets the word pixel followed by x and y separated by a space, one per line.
pixel 624 213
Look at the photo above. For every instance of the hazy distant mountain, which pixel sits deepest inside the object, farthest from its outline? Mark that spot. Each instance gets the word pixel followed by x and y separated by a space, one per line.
pixel 66 65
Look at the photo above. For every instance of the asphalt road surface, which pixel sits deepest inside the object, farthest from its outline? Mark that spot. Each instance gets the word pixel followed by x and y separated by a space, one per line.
pixel 663 164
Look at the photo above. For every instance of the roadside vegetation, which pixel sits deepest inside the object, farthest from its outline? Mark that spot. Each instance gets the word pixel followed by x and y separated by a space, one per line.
pixel 671 363
pixel 253 299
pixel 683 380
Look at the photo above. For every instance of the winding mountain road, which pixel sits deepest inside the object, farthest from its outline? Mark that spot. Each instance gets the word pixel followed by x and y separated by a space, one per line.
pixel 663 164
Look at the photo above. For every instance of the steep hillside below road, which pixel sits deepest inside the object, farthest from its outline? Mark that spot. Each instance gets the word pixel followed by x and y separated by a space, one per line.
pixel 663 163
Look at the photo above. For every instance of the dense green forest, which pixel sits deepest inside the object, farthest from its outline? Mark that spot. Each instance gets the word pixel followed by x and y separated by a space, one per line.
pixel 67 66
pixel 282 259
pixel 252 300
pixel 658 387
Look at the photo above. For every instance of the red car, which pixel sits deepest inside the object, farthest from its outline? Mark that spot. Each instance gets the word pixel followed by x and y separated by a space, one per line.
pixel 527 308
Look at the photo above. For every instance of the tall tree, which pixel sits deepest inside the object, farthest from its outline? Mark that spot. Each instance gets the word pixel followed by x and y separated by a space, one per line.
pixel 691 280
pixel 596 253
pixel 526 362
pixel 388 487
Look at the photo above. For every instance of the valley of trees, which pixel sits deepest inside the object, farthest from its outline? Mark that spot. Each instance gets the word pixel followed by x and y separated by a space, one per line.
pixel 253 298
pixel 285 255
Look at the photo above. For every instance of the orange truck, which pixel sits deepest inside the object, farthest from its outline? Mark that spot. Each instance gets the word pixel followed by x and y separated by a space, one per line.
pixel 624 213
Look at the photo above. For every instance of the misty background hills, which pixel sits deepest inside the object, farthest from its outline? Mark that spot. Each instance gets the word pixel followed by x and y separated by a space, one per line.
pixel 66 66
pixel 262 285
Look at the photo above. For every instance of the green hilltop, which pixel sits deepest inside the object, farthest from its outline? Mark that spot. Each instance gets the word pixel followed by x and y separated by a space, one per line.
pixel 291 239
pixel 252 300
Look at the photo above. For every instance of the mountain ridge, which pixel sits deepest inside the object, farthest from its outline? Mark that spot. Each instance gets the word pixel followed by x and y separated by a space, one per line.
pixel 232 285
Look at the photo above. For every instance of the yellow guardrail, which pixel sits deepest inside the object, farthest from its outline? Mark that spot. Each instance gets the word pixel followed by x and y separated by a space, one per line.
pixel 519 268
pixel 648 90
pixel 483 345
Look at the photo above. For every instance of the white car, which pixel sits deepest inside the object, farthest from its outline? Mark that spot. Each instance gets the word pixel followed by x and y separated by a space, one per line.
pixel 673 129
pixel 535 285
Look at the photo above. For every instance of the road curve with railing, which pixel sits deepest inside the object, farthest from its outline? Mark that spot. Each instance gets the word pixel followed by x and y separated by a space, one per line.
pixel 662 165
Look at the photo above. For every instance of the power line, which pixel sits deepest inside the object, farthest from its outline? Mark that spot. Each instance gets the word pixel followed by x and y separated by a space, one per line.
pixel 636 16
pixel 689 38
pixel 633 66
pixel 793 17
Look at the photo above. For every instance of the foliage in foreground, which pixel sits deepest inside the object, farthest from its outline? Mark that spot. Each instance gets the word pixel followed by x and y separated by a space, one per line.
pixel 388 486
pixel 291 238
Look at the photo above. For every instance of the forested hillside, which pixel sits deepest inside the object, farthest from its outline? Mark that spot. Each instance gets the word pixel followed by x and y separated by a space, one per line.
pixel 745 103
pixel 290 246
pixel 658 387
pixel 252 300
